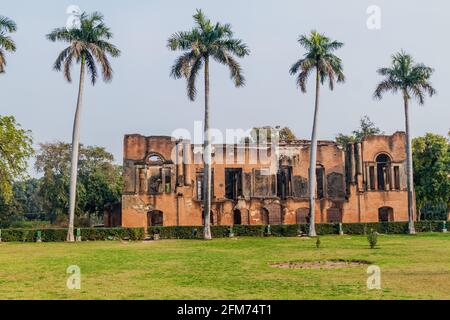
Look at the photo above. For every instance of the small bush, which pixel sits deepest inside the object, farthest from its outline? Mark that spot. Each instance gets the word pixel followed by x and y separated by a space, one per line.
pixel 372 238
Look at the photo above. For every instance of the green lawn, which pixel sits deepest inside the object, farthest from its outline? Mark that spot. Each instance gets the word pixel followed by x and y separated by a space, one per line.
pixel 413 267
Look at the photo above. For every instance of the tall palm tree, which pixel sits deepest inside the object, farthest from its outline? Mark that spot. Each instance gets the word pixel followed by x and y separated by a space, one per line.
pixel 412 81
pixel 88 45
pixel 319 57
pixel 6 43
pixel 205 41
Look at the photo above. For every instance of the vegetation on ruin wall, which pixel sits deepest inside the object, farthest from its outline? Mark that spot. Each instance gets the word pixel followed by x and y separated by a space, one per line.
pixel 59 235
pixel 186 232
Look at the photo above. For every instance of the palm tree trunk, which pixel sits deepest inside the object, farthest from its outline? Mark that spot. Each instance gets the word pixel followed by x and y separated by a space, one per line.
pixel 312 163
pixel 207 160
pixel 74 163
pixel 409 170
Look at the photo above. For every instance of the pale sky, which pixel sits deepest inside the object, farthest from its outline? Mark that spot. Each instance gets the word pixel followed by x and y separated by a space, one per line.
pixel 142 98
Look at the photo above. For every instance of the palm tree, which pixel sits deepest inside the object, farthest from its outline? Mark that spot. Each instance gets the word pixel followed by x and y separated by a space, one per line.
pixel 6 43
pixel 319 57
pixel 412 81
pixel 205 41
pixel 88 45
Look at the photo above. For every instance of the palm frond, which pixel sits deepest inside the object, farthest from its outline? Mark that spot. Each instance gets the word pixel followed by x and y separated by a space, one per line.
pixel 90 66
pixel 182 66
pixel 7 43
pixel 193 73
pixel 2 61
pixel 8 25
pixel 385 86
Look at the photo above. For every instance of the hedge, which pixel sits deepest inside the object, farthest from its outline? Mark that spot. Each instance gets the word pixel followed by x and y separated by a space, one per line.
pixel 293 230
pixel 196 232
pixel 59 235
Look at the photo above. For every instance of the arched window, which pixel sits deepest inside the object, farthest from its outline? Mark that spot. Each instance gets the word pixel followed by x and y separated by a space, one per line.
pixel 383 171
pixel 155 159
pixel 155 218
pixel 237 217
pixel 320 180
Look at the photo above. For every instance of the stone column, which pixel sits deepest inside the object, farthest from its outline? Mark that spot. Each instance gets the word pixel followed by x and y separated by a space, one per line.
pixel 187 162
pixel 180 166
pixel 352 163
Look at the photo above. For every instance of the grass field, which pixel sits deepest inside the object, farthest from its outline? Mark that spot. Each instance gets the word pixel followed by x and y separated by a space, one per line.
pixel 413 267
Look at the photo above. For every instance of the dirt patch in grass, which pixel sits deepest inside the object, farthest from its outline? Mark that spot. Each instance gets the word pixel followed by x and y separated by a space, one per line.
pixel 323 264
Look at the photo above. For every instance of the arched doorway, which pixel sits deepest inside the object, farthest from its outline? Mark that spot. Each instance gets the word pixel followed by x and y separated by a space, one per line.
pixel 385 214
pixel 155 218
pixel 264 216
pixel 237 217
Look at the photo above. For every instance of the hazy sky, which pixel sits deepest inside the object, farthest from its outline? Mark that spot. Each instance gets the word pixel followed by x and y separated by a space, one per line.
pixel 143 99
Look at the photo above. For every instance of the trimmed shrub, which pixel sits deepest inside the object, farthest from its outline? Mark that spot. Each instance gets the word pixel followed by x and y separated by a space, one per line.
pixel 250 231
pixel 59 235
pixel 178 232
pixel 324 229
pixel 287 230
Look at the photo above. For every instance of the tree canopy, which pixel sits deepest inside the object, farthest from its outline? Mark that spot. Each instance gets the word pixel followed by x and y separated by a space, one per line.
pixel 99 183
pixel 7 26
pixel 15 150
pixel 206 40
pixel 431 155
pixel 87 44
pixel 406 76
pixel 366 128
pixel 319 56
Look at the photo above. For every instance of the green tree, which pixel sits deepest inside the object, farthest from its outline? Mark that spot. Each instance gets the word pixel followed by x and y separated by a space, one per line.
pixel 99 183
pixel 15 150
pixel 6 43
pixel 88 45
pixel 431 155
pixel 412 81
pixel 319 57
pixel 204 42
pixel 268 134
pixel 366 128
pixel 25 202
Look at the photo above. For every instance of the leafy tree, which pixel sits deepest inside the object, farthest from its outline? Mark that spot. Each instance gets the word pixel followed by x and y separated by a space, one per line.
pixel 319 57
pixel 25 202
pixel 268 133
pixel 88 45
pixel 99 183
pixel 431 154
pixel 15 150
pixel 412 81
pixel 204 42
pixel 6 43
pixel 367 128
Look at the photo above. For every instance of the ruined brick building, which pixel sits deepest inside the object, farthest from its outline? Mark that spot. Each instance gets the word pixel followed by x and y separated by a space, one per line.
pixel 163 182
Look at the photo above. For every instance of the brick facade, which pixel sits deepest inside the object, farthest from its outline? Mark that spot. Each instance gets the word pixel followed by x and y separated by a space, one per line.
pixel 163 182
